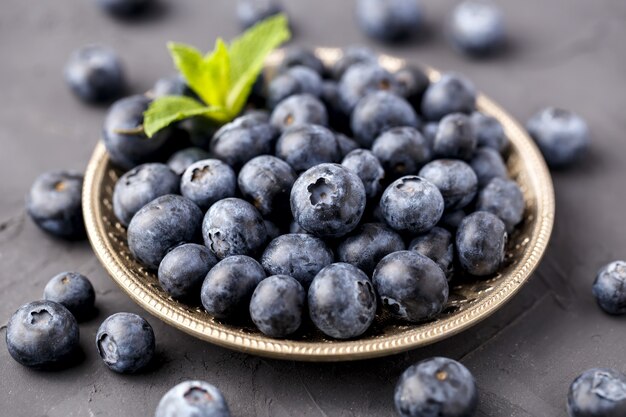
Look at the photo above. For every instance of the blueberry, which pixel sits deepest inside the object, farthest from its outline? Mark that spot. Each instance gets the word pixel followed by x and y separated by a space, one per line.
pixel 413 83
pixel 438 245
pixel 243 139
pixel 199 130
pixel 173 85
pixel 277 304
pixel 412 204
pixel 452 93
pixel 181 160
pixel 378 112
pixel 368 168
pixel 295 228
pixel 455 179
pixel 330 97
pixel 305 146
pixel 183 270
pixel 297 110
pixel 597 392
pixel 42 334
pixel 124 8
pixel 367 245
pixel 228 287
pixel 504 198
pixel 266 182
pixel 487 165
pixel 207 181
pixel 141 185
pixel 295 80
pixel 436 387
pixel 562 136
pixel 490 132
pixel 402 151
pixel 361 79
pixel 346 144
pixel 452 219
pixel 477 27
pixel 342 302
pixel 455 138
pixel 161 225
pixel 94 73
pixel 481 243
pixel 125 342
pixel 411 287
pixel 390 20
pixel 609 288
pixel 251 12
pixel 351 56
pixel 233 227
pixel 429 131
pixel 54 204
pixel 73 291
pixel 193 399
pixel 328 200
pixel 273 231
pixel 301 56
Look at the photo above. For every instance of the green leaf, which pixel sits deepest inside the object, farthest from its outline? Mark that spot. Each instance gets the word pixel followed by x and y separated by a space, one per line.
pixel 217 68
pixel 189 62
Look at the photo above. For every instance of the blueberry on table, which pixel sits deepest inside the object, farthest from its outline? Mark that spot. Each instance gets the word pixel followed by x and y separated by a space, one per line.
pixel 125 342
pixel 207 181
pixel 277 304
pixel 413 83
pixel 180 160
pixel 251 12
pixel 436 387
pixel 390 20
pixel 487 165
pixel 350 56
pixel 455 179
pixel 342 302
pixel 242 139
pixel 305 146
pixel 297 110
pixel 504 198
pixel 481 243
pixel 296 56
pixel 438 245
pixel 266 182
pixel 368 168
pixel 402 151
pixel 477 27
pixel 295 80
pixel 490 132
pixel 193 399
pixel 367 245
pixel 361 79
pixel 182 271
pixel 94 73
pixel 609 288
pixel 597 392
pixel 54 204
pixel 73 291
pixel 173 85
pixel 42 334
pixel 452 93
pixel 455 138
pixel 124 8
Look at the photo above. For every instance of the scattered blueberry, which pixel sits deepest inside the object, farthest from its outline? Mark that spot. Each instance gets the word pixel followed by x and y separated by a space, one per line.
pixel 389 20
pixel 251 12
pixel 477 27
pixel 401 151
pixel 277 304
pixel 301 56
pixel 208 181
pixel 193 399
pixel 490 132
pixel 452 93
pixel 481 243
pixel 125 342
pixel 124 8
pixel 241 140
pixel 73 291
pixel 297 110
pixel 266 182
pixel 94 73
pixel 609 288
pixel 305 146
pixel 438 245
pixel 488 164
pixel 504 198
pixel 361 79
pixel 597 392
pixel 183 270
pixel 295 80
pixel 455 179
pixel 180 160
pixel 367 245
pixel 351 56
pixel 368 168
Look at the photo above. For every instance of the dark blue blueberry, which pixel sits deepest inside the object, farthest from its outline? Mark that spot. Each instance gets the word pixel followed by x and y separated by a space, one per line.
pixel 367 245
pixel 487 165
pixel 233 227
pixel 125 342
pixel 342 302
pixel 173 85
pixel 597 392
pixel 124 8
pixel 243 139
pixel 277 304
pixel 141 185
pixel 266 182
pixel 412 204
pixel 481 243
pixel 438 245
pixel 411 286
pixel 346 144
pixel 562 136
pixel 609 288
pixel 42 334
pixel 437 386
pixel 390 20
pixel 368 168
pixel 54 204
pixel 452 93
pixel 228 287
pixel 199 130
pixel 455 179
pixel 193 399
pixel 305 146
pixel 181 160
pixel 504 198
pixel 295 228
pixel 328 200
pixel 361 79
pixel 350 56
pixel 429 131
pixel 251 12
pixel 298 255
pixel 207 181
pixel 73 291
pixel 183 270
pixel 452 219
pixel 455 138
pixel 273 231
pixel 301 56
pixel 295 80
pixel 378 112
pixel 161 225
pixel 94 73
pixel 297 110
pixel 402 151
pixel 477 27
pixel 330 97
pixel 490 132
pixel 413 83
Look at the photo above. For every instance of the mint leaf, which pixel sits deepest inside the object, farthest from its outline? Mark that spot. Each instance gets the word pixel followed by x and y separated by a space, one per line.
pixel 217 68
pixel 169 109
pixel 189 62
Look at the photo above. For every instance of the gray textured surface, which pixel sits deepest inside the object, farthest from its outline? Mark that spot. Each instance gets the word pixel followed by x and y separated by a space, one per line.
pixel 568 53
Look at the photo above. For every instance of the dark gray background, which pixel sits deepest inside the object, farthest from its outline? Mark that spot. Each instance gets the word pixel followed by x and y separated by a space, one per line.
pixel 568 53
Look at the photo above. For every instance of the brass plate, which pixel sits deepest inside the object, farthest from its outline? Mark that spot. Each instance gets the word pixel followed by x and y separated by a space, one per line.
pixel 469 302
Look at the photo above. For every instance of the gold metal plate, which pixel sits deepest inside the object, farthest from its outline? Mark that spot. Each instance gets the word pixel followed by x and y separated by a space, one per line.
pixel 470 302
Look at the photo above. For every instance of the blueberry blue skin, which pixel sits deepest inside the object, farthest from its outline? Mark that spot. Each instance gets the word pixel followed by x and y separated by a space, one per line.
pixel 504 198
pixel 251 12
pixel 438 245
pixel 73 291
pixel 183 270
pixel 161 225
pixel 452 93
pixel 361 79
pixel 481 243
pixel 402 151
pixel 487 165
pixel 266 182
pixel 455 179
pixel 54 204
pixel 297 110
pixel 295 80
pixel 436 387
pixel 346 144
pixel 378 112
pixel 328 200
pixel 193 399
pixel 207 181
pixel 241 140
pixel 342 302
pixel 141 185
pixel 477 27
pixel 94 73
pixel 295 228
pixel 300 56
pixel 412 204
pixel 597 392
pixel 277 304
pixel 174 85
pixel 455 138
pixel 368 168
pixel 413 83
pixel 305 146
pixel 351 56
pixel 367 245
pixel 233 227
pixel 123 8
pixel 181 160
pixel 562 136
pixel 389 21
pixel 228 287
pixel 42 334
pixel 125 342
pixel 609 288
pixel 490 132
pixel 452 219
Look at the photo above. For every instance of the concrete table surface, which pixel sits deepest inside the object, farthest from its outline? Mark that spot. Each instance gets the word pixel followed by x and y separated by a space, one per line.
pixel 567 53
